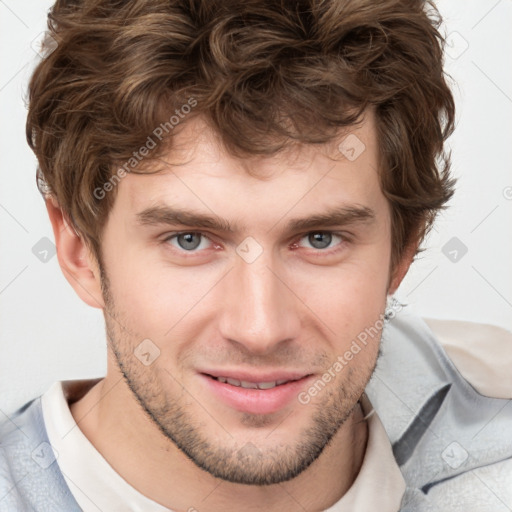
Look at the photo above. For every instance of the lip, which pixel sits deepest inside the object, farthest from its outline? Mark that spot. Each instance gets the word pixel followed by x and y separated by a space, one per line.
pixel 256 401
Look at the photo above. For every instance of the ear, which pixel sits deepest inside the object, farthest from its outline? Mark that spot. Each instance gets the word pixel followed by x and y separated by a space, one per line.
pixel 77 262
pixel 402 267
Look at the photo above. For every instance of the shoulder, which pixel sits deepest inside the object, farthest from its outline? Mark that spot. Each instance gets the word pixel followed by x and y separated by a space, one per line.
pixel 449 425
pixel 482 353
pixel 17 433
pixel 30 478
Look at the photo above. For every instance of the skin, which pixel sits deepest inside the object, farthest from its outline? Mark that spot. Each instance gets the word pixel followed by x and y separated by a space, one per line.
pixel 295 307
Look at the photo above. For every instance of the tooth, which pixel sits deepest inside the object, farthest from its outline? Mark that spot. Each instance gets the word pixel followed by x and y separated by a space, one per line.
pixel 266 385
pixel 252 385
pixel 248 385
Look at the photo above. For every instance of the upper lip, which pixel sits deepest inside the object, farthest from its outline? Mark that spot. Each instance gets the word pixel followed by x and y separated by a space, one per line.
pixel 252 376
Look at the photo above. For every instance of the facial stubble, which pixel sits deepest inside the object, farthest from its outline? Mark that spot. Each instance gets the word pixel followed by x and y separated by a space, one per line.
pixel 168 404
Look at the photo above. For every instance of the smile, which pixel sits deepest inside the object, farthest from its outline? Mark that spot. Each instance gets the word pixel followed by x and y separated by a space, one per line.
pixel 261 394
pixel 251 385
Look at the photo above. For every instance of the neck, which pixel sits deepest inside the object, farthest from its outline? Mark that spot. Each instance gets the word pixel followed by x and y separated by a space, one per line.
pixel 136 449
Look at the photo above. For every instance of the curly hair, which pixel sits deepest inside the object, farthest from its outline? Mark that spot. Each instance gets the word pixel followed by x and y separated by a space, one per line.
pixel 264 73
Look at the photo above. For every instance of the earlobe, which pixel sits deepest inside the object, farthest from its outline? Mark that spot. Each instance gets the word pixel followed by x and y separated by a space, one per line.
pixel 75 258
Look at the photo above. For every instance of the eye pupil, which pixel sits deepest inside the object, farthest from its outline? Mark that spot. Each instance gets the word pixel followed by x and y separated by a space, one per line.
pixel 320 240
pixel 186 240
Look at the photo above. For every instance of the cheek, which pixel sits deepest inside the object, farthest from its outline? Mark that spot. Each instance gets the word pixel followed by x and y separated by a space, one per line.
pixel 348 298
pixel 156 300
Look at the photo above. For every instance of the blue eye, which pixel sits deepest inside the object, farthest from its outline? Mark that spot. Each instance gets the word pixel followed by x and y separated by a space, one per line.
pixel 188 241
pixel 321 239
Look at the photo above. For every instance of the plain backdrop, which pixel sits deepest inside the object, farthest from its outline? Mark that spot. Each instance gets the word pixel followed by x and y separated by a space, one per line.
pixel 48 334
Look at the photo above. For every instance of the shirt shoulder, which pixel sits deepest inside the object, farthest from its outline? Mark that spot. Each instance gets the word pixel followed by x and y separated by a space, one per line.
pixel 482 353
pixel 30 478
pixel 449 438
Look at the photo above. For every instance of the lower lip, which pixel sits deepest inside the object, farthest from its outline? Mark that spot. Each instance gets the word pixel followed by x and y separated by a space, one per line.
pixel 256 401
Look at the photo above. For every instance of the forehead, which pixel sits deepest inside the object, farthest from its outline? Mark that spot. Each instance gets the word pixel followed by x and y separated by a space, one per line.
pixel 199 174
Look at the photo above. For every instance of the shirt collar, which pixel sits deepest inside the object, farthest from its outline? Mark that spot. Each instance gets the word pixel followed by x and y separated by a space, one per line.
pixel 379 484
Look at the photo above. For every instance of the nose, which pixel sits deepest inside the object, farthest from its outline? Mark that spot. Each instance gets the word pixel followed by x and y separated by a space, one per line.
pixel 260 310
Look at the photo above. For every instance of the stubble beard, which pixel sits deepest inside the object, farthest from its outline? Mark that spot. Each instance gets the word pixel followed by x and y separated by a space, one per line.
pixel 242 463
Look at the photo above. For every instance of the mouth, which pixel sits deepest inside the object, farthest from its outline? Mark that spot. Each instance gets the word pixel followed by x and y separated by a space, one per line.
pixel 252 385
pixel 255 394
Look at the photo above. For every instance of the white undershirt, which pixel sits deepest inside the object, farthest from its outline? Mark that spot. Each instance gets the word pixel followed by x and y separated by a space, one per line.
pixel 97 487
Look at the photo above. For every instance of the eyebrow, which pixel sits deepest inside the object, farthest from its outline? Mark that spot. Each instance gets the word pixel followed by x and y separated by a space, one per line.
pixel 340 216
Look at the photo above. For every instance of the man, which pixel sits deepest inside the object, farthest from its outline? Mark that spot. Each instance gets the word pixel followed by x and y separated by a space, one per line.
pixel 241 190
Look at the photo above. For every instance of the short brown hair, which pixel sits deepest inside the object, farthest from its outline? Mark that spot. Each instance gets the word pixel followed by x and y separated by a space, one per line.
pixel 264 73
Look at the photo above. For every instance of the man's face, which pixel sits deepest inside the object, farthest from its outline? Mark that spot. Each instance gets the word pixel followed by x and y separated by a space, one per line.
pixel 279 297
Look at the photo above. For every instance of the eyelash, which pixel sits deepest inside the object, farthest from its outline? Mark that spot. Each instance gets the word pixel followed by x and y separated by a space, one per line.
pixel 327 251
